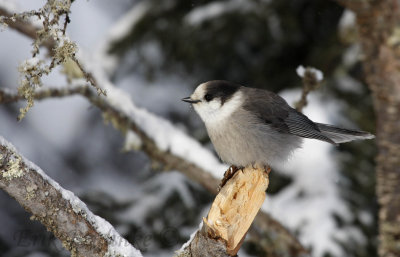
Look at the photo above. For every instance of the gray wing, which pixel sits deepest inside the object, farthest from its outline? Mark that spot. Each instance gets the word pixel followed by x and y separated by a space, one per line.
pixel 274 111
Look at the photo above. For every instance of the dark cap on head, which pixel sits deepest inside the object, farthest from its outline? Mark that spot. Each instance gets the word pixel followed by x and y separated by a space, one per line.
pixel 220 89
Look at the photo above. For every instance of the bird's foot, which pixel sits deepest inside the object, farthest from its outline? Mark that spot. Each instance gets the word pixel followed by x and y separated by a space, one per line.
pixel 258 166
pixel 267 169
pixel 228 175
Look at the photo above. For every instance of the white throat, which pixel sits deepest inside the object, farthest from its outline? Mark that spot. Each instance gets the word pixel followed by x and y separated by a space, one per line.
pixel 213 113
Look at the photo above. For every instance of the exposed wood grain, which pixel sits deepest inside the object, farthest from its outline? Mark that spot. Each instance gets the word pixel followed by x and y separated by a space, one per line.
pixel 236 206
pixel 231 214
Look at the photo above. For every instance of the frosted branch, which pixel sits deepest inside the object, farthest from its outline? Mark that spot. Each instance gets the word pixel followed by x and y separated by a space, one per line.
pixel 168 146
pixel 267 226
pixel 65 215
pixel 312 79
pixel 50 34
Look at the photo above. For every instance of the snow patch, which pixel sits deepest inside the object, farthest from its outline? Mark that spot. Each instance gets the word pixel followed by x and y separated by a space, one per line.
pixel 309 203
pixel 118 30
pixel 14 7
pixel 165 135
pixel 132 141
pixel 215 9
pixel 347 20
pixel 191 237
pixel 10 6
pixel 301 71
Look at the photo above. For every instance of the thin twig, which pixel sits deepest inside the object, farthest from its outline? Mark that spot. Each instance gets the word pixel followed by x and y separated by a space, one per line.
pixel 311 82
pixel 26 28
pixel 169 160
pixel 90 78
pixel 271 228
pixel 66 21
pixel 44 93
pixel 29 30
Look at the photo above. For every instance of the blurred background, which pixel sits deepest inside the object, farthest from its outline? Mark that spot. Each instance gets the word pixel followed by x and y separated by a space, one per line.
pixel 158 52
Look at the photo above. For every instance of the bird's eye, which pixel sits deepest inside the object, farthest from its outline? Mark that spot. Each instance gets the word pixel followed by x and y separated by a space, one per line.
pixel 208 97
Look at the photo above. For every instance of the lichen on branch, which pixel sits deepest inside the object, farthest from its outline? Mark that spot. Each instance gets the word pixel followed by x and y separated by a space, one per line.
pixel 31 71
pixel 65 215
pixel 52 34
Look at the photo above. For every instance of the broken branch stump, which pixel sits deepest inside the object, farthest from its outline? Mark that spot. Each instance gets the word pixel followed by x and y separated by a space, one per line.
pixel 231 215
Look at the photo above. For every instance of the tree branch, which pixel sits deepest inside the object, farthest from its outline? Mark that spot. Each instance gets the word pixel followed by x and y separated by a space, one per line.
pixel 167 159
pixel 125 121
pixel 25 28
pixel 311 78
pixel 66 216
pixel 231 215
pixel 378 28
pixel 7 96
pixel 270 228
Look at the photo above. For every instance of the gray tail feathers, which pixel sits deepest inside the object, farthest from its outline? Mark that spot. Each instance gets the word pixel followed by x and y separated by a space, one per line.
pixel 340 135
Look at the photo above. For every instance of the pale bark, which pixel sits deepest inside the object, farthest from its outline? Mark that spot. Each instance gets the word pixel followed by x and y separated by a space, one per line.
pixel 378 24
pixel 71 222
pixel 268 228
pixel 273 229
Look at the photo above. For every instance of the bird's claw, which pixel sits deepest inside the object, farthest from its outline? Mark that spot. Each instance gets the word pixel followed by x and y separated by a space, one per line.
pixel 227 176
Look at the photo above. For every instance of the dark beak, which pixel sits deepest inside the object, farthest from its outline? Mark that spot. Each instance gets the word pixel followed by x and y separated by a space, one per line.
pixel 190 100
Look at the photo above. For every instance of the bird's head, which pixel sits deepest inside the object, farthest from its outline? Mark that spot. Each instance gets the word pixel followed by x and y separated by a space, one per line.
pixel 215 100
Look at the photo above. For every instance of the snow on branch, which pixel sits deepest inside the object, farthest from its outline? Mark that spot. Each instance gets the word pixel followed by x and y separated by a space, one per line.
pixel 65 215
pixel 121 27
pixel 312 79
pixel 159 151
pixel 215 9
pixel 51 33
pixel 265 223
pixel 159 139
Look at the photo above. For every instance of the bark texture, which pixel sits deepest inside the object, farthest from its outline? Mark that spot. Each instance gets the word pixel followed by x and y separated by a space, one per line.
pixel 379 29
pixel 378 25
pixel 38 196
pixel 272 230
pixel 230 215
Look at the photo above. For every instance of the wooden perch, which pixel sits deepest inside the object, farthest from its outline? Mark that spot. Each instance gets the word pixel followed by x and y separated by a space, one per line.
pixel 270 228
pixel 231 214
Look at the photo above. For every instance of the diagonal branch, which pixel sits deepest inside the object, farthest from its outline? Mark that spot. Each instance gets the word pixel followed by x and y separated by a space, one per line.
pixel 30 30
pixel 129 117
pixel 124 121
pixel 65 215
pixel 267 227
pixel 25 28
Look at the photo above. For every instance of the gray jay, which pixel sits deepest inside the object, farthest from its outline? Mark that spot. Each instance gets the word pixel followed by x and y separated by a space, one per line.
pixel 250 126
